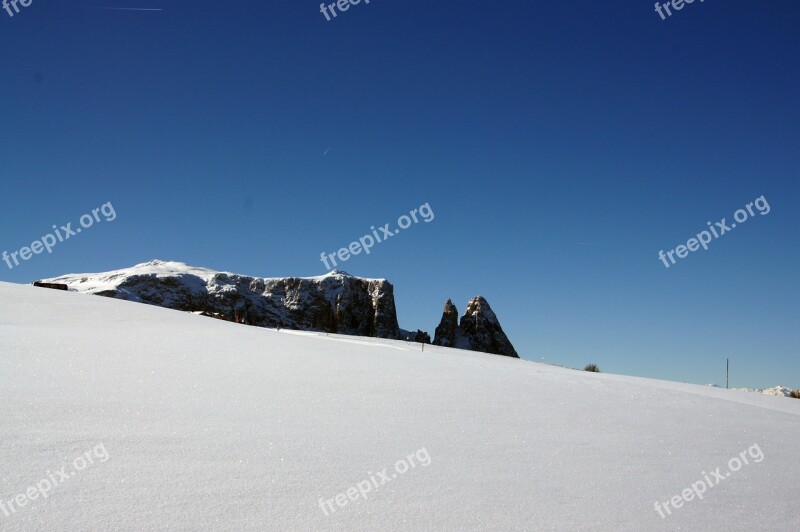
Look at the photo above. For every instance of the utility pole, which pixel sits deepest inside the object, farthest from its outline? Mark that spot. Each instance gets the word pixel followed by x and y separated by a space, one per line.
pixel 727 372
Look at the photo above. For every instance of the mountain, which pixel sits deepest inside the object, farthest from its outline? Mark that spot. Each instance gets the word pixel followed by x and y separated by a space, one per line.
pixel 447 331
pixel 479 329
pixel 207 425
pixel 335 303
pixel 779 391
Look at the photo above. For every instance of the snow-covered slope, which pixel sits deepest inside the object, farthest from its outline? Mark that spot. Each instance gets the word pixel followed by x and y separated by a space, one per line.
pixel 163 419
pixel 93 283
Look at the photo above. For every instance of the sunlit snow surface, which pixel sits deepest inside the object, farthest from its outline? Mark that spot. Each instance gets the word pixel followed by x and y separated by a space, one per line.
pixel 213 425
pixel 92 283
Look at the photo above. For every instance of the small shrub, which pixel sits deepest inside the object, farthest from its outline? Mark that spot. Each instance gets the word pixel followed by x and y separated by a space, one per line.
pixel 592 367
pixel 795 394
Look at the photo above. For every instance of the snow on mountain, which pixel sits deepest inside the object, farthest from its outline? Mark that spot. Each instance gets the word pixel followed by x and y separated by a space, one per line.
pixel 335 302
pixel 208 425
pixel 780 391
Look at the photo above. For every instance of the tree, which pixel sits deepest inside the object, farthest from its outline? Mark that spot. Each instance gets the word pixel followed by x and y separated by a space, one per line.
pixel 592 367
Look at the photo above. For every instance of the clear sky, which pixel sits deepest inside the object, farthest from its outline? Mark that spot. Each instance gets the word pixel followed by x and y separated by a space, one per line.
pixel 561 145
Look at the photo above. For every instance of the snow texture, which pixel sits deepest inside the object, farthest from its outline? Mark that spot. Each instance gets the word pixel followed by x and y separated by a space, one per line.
pixel 211 425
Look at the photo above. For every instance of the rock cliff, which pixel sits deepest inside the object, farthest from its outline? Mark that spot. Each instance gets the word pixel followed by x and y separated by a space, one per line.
pixel 336 302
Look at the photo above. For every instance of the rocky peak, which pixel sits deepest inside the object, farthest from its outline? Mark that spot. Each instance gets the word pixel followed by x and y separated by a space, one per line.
pixel 479 329
pixel 336 302
pixel 480 326
pixel 337 273
pixel 445 333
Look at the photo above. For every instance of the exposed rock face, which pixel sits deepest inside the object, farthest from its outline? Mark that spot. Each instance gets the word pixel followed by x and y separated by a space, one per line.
pixel 336 302
pixel 445 333
pixel 479 329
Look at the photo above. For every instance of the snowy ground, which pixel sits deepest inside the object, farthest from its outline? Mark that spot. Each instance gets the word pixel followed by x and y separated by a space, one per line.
pixel 195 424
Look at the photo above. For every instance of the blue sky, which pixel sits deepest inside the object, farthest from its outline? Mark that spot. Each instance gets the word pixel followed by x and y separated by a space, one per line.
pixel 560 145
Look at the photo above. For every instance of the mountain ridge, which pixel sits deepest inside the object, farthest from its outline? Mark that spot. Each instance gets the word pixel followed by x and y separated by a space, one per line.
pixel 336 302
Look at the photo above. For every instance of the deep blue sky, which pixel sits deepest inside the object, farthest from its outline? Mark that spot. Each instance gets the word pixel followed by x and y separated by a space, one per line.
pixel 250 136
